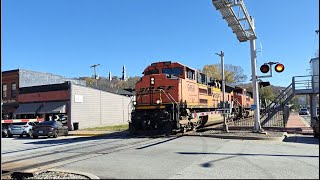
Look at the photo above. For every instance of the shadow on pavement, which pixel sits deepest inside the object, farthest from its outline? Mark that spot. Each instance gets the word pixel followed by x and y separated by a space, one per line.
pixel 246 154
pixel 114 135
pixel 302 139
pixel 48 142
pixel 233 155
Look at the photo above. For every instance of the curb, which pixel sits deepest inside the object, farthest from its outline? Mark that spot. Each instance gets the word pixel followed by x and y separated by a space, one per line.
pixel 93 134
pixel 90 176
pixel 304 121
pixel 242 137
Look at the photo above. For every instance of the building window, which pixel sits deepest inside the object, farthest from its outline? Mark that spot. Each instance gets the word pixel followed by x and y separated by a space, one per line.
pixel 13 90
pixel 4 90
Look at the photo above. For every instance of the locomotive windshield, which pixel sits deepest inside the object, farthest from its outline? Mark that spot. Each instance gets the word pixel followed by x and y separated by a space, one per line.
pixel 153 71
pixel 177 71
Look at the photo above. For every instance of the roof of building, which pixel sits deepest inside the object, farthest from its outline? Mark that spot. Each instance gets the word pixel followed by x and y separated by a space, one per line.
pixel 116 91
pixel 44 88
pixel 10 71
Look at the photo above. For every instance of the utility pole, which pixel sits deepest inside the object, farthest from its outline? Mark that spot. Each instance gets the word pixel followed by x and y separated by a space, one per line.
pixel 95 73
pixel 225 125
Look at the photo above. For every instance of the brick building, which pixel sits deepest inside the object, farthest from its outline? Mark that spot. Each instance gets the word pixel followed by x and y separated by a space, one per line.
pixel 10 91
pixel 12 80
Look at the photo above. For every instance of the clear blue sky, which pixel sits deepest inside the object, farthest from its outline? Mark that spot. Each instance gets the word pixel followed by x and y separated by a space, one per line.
pixel 65 37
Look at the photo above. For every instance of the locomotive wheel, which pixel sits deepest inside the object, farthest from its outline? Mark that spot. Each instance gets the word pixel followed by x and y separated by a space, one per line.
pixel 166 128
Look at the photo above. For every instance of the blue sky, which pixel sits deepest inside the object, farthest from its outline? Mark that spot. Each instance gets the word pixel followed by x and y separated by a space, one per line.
pixel 65 37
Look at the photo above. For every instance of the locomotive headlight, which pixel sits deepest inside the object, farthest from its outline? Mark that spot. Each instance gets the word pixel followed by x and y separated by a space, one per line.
pixel 158 101
pixel 134 103
pixel 152 81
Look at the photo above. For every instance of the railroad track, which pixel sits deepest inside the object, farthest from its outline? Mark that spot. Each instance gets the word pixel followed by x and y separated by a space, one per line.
pixel 24 167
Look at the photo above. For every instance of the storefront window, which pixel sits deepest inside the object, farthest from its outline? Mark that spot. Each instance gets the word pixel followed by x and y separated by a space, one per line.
pixel 13 90
pixel 4 90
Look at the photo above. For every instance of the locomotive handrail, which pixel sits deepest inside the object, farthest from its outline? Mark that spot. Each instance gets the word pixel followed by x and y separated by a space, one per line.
pixel 170 100
pixel 178 106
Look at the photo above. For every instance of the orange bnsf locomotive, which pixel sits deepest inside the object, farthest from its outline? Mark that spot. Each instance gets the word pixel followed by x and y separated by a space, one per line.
pixel 174 97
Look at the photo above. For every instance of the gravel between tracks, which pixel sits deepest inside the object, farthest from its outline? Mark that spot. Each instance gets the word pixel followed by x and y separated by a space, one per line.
pixel 57 175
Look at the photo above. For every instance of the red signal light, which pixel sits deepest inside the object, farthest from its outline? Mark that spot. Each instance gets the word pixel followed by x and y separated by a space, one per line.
pixel 279 68
pixel 265 68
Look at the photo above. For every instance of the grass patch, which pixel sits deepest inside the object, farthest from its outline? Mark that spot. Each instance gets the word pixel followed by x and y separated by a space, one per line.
pixel 122 127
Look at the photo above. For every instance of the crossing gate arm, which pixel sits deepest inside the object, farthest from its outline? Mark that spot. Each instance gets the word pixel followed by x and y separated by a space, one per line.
pixel 199 114
pixel 9 121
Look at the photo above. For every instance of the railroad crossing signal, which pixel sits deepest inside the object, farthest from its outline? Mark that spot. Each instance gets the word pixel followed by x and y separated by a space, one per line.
pixel 265 68
pixel 279 68
pixel 264 84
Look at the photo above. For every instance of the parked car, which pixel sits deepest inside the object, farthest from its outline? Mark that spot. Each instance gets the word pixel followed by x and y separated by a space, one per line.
pixel 49 128
pixel 21 128
pixel 4 132
pixel 304 111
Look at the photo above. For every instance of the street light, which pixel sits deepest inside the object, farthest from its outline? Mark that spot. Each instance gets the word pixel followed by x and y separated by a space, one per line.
pixel 243 26
pixel 225 125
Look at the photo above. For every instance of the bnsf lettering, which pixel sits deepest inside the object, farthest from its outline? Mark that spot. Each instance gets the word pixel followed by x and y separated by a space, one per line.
pixel 148 89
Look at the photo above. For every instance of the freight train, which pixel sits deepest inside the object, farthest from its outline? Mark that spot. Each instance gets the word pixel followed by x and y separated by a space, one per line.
pixel 172 97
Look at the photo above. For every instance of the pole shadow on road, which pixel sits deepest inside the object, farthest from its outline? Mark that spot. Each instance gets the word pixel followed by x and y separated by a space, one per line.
pixel 233 155
pixel 302 139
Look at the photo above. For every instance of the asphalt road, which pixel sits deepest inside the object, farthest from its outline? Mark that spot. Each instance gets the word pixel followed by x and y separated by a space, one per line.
pixel 175 158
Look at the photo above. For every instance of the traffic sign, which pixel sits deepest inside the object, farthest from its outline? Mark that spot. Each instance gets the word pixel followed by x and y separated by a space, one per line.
pixel 253 106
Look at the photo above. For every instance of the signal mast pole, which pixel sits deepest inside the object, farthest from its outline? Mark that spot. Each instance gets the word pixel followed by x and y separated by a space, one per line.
pixel 243 26
pixel 257 124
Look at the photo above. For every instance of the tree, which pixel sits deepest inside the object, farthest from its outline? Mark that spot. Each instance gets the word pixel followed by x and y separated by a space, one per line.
pixel 267 94
pixel 233 74
pixel 295 104
pixel 104 83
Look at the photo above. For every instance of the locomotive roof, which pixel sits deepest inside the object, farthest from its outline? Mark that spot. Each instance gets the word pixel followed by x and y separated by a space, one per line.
pixel 171 63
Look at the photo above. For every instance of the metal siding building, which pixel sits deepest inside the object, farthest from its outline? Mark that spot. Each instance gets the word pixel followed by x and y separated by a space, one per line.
pixel 91 107
pixel 29 78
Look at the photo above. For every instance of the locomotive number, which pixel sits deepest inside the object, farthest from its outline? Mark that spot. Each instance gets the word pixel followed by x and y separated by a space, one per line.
pixel 191 88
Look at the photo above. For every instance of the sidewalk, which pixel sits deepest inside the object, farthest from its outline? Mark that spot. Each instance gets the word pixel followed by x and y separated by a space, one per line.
pixel 297 124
